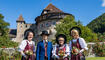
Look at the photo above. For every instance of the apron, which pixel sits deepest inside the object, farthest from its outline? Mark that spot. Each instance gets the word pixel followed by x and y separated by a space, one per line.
pixel 64 51
pixel 78 56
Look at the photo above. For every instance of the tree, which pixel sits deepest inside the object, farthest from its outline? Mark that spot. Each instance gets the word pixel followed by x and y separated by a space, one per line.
pixel 4 38
pixel 98 24
pixel 68 22
pixel 3 27
pixel 101 37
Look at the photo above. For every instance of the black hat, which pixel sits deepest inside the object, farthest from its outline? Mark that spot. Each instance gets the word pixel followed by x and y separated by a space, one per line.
pixel 45 33
pixel 76 28
pixel 63 36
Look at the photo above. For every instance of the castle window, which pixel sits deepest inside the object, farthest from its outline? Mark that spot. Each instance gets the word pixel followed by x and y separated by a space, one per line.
pixel 44 17
pixel 21 22
pixel 41 25
pixel 54 23
pixel 45 12
pixel 47 25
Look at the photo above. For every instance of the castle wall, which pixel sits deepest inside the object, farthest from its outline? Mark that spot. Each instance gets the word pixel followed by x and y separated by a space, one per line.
pixel 48 25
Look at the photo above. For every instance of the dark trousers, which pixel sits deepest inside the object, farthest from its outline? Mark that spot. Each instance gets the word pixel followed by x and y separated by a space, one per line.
pixel 45 58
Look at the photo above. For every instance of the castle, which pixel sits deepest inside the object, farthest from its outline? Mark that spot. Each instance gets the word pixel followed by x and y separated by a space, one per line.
pixel 48 19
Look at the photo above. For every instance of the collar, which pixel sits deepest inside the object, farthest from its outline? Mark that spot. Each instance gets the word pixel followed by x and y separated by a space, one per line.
pixel 62 46
pixel 45 41
pixel 30 42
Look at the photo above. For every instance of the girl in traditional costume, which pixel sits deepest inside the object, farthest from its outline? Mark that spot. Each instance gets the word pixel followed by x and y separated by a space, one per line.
pixel 77 45
pixel 27 47
pixel 61 50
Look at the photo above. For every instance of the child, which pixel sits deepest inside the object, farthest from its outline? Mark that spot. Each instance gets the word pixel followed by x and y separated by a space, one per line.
pixel 44 48
pixel 77 45
pixel 27 47
pixel 61 50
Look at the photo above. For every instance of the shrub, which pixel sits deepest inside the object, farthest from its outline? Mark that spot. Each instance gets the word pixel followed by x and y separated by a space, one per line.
pixel 101 37
pixel 6 43
pixel 99 49
pixel 6 56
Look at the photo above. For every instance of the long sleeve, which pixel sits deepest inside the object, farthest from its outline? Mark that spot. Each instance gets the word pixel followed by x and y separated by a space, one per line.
pixel 33 46
pixel 83 43
pixel 54 55
pixel 22 45
pixel 37 51
pixel 67 50
pixel 54 51
pixel 70 46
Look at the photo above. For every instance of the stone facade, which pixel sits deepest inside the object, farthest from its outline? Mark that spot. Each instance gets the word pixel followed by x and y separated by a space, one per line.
pixel 48 19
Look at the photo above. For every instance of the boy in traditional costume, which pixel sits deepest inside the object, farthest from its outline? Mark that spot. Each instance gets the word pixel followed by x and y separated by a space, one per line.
pixel 44 48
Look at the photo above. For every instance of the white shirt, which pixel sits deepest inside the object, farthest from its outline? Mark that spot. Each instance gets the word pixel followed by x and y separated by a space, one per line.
pixel 24 43
pixel 45 41
pixel 81 42
pixel 55 47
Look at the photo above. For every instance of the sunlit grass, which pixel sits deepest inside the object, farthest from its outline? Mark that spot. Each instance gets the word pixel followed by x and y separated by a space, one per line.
pixel 96 58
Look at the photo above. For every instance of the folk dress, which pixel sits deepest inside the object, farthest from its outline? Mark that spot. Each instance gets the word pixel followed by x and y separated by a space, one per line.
pixel 27 45
pixel 56 51
pixel 79 44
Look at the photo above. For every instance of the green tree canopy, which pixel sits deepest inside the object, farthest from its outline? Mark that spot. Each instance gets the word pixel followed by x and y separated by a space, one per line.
pixel 98 24
pixel 4 38
pixel 3 27
pixel 68 22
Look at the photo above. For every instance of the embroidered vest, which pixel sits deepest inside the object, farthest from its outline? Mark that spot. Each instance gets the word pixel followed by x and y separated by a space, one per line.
pixel 62 51
pixel 28 47
pixel 77 44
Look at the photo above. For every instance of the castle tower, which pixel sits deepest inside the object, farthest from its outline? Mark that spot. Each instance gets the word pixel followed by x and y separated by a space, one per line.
pixel 20 29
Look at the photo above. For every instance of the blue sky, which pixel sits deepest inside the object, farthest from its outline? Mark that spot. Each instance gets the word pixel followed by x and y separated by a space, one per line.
pixel 83 10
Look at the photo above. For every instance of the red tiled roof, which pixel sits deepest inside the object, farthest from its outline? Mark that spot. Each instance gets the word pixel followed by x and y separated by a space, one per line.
pixel 20 18
pixel 52 8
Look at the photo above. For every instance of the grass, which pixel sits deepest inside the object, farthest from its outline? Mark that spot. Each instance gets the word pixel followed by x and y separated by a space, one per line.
pixel 95 58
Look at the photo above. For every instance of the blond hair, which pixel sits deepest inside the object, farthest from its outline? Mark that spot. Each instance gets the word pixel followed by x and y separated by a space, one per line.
pixel 74 32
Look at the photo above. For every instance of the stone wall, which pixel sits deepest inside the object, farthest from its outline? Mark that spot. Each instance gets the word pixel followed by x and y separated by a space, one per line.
pixel 90 53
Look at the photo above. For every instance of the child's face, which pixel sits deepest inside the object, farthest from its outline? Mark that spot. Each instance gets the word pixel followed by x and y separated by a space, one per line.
pixel 75 34
pixel 61 40
pixel 30 36
pixel 44 37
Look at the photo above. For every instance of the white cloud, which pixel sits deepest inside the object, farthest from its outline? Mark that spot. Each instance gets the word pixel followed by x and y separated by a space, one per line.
pixel 103 3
